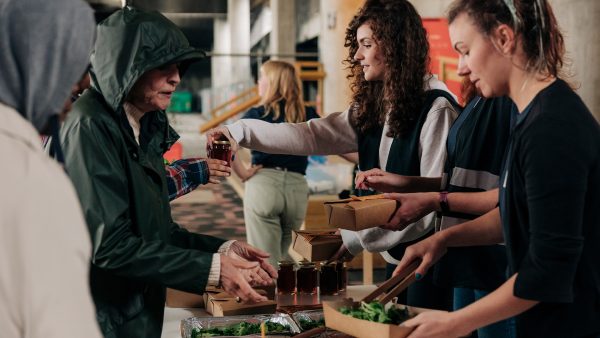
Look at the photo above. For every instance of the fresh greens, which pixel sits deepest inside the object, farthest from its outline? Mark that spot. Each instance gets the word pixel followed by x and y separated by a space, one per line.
pixel 307 324
pixel 240 329
pixel 375 312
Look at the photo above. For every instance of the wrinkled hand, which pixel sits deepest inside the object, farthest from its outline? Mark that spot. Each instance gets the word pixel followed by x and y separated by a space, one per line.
pixel 412 208
pixel 435 324
pixel 216 133
pixel 251 172
pixel 244 251
pixel 429 251
pixel 379 180
pixel 217 169
pixel 236 276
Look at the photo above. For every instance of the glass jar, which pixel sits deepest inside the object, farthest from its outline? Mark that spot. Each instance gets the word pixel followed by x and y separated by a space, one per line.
pixel 286 282
pixel 328 280
pixel 342 275
pixel 307 278
pixel 221 150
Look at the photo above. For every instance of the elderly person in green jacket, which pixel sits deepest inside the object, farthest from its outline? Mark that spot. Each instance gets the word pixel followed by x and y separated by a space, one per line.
pixel 113 142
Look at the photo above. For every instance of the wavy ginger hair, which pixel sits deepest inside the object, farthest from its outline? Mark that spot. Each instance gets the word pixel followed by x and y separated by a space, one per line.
pixel 284 86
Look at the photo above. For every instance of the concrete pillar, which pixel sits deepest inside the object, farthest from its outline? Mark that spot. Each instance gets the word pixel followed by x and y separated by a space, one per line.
pixel 221 65
pixel 577 20
pixel 283 34
pixel 238 15
pixel 335 16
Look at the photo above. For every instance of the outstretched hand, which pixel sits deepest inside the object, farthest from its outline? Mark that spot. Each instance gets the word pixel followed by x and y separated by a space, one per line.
pixel 245 251
pixel 236 276
pixel 435 324
pixel 379 180
pixel 412 207
pixel 429 251
pixel 217 170
pixel 219 132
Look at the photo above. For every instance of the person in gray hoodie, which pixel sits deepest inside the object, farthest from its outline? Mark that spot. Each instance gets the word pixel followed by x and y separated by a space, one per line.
pixel 44 245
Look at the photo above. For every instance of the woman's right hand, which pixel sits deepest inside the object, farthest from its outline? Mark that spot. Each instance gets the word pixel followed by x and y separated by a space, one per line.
pixel 379 180
pixel 216 133
pixel 428 251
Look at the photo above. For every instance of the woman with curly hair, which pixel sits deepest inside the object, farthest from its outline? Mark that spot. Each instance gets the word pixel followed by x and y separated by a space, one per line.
pixel 398 121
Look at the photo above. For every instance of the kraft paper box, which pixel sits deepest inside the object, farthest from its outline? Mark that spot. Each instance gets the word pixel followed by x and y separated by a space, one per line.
pixel 357 215
pixel 363 328
pixel 182 299
pixel 221 304
pixel 316 245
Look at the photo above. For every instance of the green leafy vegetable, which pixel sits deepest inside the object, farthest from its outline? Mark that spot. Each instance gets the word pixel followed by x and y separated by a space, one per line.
pixel 307 324
pixel 240 329
pixel 375 312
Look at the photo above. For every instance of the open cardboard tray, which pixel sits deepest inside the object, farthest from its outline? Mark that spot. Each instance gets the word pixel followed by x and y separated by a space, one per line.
pixel 360 213
pixel 362 328
pixel 316 245
pixel 220 304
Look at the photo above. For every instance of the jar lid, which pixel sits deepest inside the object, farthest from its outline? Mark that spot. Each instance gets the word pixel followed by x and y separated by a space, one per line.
pixel 221 142
pixel 307 264
pixel 285 263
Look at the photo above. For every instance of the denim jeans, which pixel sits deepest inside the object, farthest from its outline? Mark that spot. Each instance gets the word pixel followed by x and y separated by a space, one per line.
pixel 502 329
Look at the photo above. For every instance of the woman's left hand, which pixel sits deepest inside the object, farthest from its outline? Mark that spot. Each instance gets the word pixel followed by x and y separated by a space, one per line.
pixel 251 172
pixel 436 324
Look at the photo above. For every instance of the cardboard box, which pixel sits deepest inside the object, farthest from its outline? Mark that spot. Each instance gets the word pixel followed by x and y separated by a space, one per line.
pixel 316 245
pixel 220 303
pixel 362 328
pixel 181 299
pixel 358 215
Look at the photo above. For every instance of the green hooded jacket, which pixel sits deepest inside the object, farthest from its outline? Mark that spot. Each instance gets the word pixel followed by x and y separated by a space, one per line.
pixel 137 248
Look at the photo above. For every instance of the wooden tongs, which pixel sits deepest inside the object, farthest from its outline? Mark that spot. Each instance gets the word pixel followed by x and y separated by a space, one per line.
pixel 393 286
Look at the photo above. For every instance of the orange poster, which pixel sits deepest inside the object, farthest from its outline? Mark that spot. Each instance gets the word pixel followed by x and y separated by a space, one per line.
pixel 444 60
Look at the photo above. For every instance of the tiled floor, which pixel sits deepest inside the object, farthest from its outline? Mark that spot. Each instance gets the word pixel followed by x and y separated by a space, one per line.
pixel 213 210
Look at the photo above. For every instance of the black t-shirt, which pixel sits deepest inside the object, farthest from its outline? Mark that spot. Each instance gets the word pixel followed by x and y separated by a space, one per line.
pixel 293 163
pixel 550 209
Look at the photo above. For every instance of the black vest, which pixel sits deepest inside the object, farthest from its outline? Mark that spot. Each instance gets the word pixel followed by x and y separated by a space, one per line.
pixel 403 158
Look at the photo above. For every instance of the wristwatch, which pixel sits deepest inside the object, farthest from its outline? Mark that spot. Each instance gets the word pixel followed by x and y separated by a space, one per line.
pixel 444 202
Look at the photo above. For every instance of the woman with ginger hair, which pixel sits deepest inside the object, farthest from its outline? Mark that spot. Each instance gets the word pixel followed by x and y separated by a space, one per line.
pixel 276 192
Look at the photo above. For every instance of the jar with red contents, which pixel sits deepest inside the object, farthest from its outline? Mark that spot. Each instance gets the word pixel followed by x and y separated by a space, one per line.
pixel 286 281
pixel 220 149
pixel 328 280
pixel 307 278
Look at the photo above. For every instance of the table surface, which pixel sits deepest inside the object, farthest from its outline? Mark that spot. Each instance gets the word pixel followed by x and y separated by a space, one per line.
pixel 173 316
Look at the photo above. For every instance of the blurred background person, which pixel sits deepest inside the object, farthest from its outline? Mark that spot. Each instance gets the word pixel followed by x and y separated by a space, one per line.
pixel 276 192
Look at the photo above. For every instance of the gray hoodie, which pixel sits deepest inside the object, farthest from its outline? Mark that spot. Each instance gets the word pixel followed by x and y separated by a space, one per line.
pixel 45 47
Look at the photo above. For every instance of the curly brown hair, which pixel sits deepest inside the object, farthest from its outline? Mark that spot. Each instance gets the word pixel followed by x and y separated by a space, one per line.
pixel 400 35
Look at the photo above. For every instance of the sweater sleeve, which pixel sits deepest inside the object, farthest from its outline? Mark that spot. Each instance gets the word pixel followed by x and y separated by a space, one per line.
pixel 556 159
pixel 432 141
pixel 330 135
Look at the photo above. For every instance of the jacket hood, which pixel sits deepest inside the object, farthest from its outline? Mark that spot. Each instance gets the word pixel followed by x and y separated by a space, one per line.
pixel 131 42
pixel 44 49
